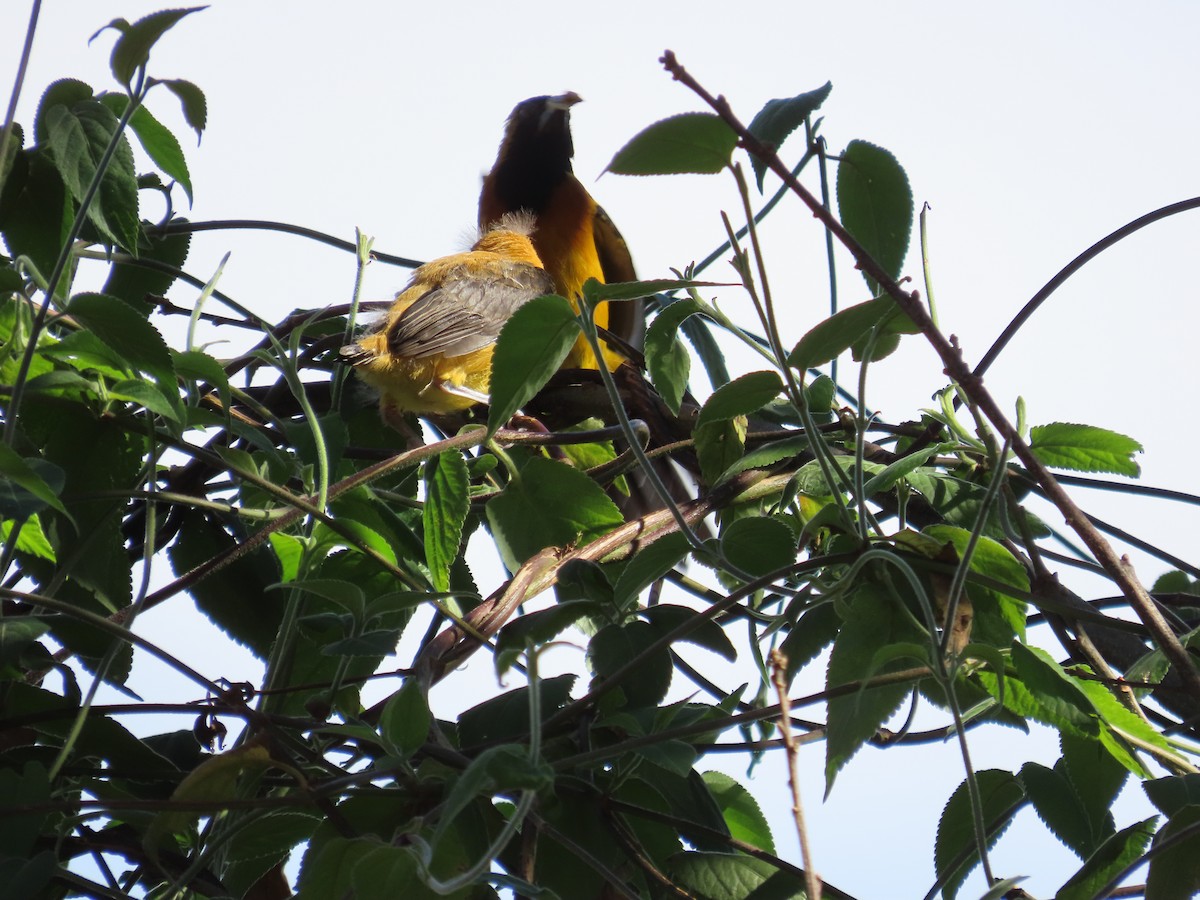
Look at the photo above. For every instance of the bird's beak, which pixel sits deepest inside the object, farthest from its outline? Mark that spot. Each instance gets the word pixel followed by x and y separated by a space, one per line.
pixel 563 102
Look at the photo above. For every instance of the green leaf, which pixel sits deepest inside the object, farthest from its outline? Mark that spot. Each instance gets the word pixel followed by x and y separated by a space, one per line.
pixel 156 139
pixel 1060 807
pixel 445 511
pixel 697 143
pixel 36 213
pixel 1056 692
pixel 497 769
pixel 506 717
pixel 740 397
pixel 126 332
pixel 18 634
pixel 902 467
pixel 667 360
pixel 767 455
pixel 538 628
pixel 191 98
pixel 1084 448
pixel 729 876
pixel 615 645
pixel 132 281
pixel 846 328
pixel 200 367
pixel 779 118
pixel 28 485
pixel 719 445
pixel 741 811
pixel 77 137
pixel 550 504
pixel 532 345
pixel 263 843
pixel 875 204
pixel 142 393
pixel 875 619
pixel 1174 792
pixel 132 50
pixel 1097 778
pixel 1001 795
pixel 1175 871
pixel 29 786
pixel 1113 856
pixel 649 565
pixel 327 868
pixel 404 723
pixel 814 631
pixel 758 545
pixel 234 597
pixel 666 617
pixel 999 617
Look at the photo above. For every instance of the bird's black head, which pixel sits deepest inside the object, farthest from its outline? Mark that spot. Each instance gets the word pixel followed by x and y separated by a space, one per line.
pixel 536 152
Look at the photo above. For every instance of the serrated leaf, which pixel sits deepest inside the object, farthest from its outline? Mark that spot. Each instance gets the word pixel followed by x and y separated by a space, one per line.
pixel 729 876
pixel 404 723
pixel 1057 693
pixel 1113 856
pixel 1175 871
pixel 814 631
pixel 780 117
pixel 28 485
pixel 846 328
pixel 200 367
pixel 667 360
pixel 758 545
pixel 551 504
pixel 875 205
pixel 874 620
pixel 77 137
pixel 649 565
pixel 741 811
pixel 122 329
pixel 616 645
pixel 532 345
pixel 719 445
pixel 1059 806
pixel 999 616
pixel 1084 448
pixel 504 768
pixel 1172 793
pixel 698 143
pixel 191 98
pixel 156 139
pixel 446 505
pixel 1000 796
pixel 740 397
pixel 767 455
pixel 538 628
pixel 666 617
pixel 132 50
pixel 142 393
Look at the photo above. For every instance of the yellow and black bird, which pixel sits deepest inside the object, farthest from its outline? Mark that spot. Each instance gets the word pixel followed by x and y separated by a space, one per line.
pixel 432 353
pixel 575 238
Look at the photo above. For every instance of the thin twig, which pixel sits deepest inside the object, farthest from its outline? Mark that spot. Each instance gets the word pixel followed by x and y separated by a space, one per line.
pixel 779 678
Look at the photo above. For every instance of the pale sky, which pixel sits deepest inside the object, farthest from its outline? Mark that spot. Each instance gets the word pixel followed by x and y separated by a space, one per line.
pixel 1032 130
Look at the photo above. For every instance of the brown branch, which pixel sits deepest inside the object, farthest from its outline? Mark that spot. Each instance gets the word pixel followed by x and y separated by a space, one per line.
pixel 1118 568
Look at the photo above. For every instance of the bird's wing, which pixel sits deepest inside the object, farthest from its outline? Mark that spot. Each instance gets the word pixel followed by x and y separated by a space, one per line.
pixel 627 319
pixel 467 310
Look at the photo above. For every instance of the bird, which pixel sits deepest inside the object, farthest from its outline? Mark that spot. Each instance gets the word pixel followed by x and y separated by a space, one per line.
pixel 575 238
pixel 432 352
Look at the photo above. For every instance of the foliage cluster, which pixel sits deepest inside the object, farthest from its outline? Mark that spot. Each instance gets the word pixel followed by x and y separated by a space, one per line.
pixel 904 554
